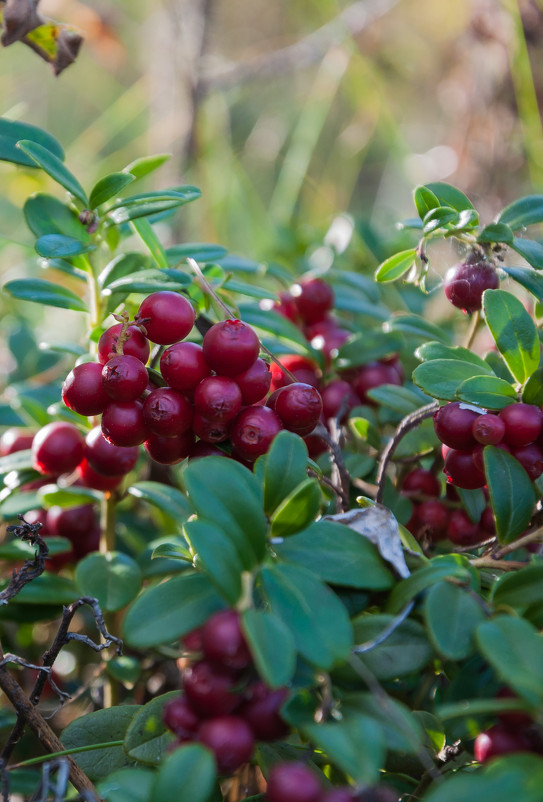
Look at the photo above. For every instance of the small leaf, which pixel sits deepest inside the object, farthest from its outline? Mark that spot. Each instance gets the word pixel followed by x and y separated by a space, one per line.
pixel 147 739
pixel 297 510
pixel 395 266
pixel 127 785
pixel 452 616
pixel 488 392
pixel 141 167
pixel 272 646
pixel 191 768
pixel 54 246
pixel 523 212
pixel 401 399
pixel 520 589
pixel 405 651
pixel 439 218
pixel 367 347
pixel 530 250
pixel 52 165
pixel 417 327
pixel 285 468
pixel 218 556
pixel 448 195
pixel 424 200
pixel 113 578
pixel 46 589
pixel 436 350
pixel 512 493
pixel 200 251
pixel 144 230
pixel 45 214
pixel 12 131
pixel 441 378
pixel 533 389
pixel 148 281
pixel 39 291
pixel 442 567
pixel 97 728
pixel 496 232
pixel 168 499
pixel 108 187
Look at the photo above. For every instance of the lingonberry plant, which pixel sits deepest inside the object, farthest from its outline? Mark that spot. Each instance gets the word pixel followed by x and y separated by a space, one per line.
pixel 305 524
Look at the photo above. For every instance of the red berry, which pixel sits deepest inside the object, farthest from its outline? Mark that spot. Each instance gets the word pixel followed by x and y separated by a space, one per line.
pixel 531 459
pixel 303 369
pixel 487 521
pixel 83 390
pixel 192 641
pixel 136 344
pixel 123 424
pixel 210 431
pixel 210 689
pixel 462 470
pixel 513 719
pixel 313 298
pixel 181 719
pixel 488 429
pixel 231 741
pixel 453 425
pixel 421 481
pixel 224 642
pixel 286 306
pixel 169 450
pixel 217 398
pixel 124 378
pixel 13 440
pixel 293 782
pixel 255 382
pixel 478 454
pixel 57 448
pixel 203 449
pixel 462 531
pixel 98 481
pixel 106 458
pixel 231 347
pixel 183 366
pixel 499 740
pixel 523 423
pixel 166 316
pixel 167 412
pixel 299 406
pixel 261 712
pixel 336 396
pixel 372 375
pixel 434 517
pixel 71 522
pixel 315 445
pixel 253 431
pixel 466 282
pixel 326 336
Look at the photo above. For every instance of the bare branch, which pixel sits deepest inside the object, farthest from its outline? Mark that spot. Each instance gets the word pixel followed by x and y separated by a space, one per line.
pixel 31 569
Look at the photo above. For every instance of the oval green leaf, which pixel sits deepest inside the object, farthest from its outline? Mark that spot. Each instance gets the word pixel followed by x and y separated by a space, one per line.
pixel 55 246
pixel 147 738
pixel 496 232
pixel 395 266
pixel 218 556
pixel 190 769
pixel 272 646
pixel 441 378
pixel 512 493
pixel 297 510
pixel 113 578
pixel 100 727
pixel 39 291
pixel 452 616
pixel 52 165
pixel 12 131
pixel 108 187
pixel 488 392
pixel 523 212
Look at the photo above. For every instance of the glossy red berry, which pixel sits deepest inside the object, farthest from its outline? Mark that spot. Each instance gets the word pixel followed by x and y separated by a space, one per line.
pixel 71 522
pixel 192 641
pixel 466 282
pixel 499 740
pixel 124 378
pixel 57 448
pixel 326 336
pixel 531 459
pixel 210 689
pixel 106 458
pixel 13 440
pixel 421 481
pixel 488 429
pixel 453 424
pixel 217 398
pixel 98 481
pixel 203 449
pixel 523 424
pixel 373 375
pixel 254 383
pixel 313 298
pixel 136 344
pixel 167 412
pixel 487 522
pixel 166 316
pixel 230 739
pixel 210 431
pixel 180 718
pixel 231 347
pixel 293 782
pixel 286 306
pixel 261 712
pixel 462 470
pixel 433 516
pixel 253 431
pixel 303 369
pixel 184 366
pixel 169 450
pixel 123 424
pixel 223 641
pixel 338 396
pixel 83 390
pixel 299 407
pixel 462 531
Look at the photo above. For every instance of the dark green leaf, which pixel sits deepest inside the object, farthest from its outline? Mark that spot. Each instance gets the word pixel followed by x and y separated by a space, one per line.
pixel 442 567
pixel 516 776
pixel 127 785
pixel 417 327
pixel 528 278
pixel 400 399
pixel 512 493
pixel 121 266
pixel 219 557
pixel 424 200
pixel 147 738
pixel 12 131
pixel 452 616
pixel 496 232
pixel 113 578
pixel 285 467
pixel 191 769
pixel 200 251
pixel 52 165
pixel 107 187
pixel 367 347
pixel 272 646
pixel 172 551
pixel 519 589
pixel 147 281
pixel 495 362
pixel 448 195
pixel 274 323
pixel 523 212
pixel 396 266
pixel 18 550
pixel 403 732
pixel 46 589
pixel 165 498
pixel 54 246
pixel 530 250
pixel 297 510
pixel 45 214
pixel 533 389
pixel 144 230
pixel 488 392
pixel 39 291
pixel 100 727
pixel 474 502
pixel 435 350
pixel 441 378
pixel 168 611
pixel 126 670
pixel 405 651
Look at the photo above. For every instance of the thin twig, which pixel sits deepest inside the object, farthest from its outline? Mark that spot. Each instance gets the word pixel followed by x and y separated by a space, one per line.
pixel 531 537
pixel 499 565
pixel 368 645
pixel 344 479
pixel 31 568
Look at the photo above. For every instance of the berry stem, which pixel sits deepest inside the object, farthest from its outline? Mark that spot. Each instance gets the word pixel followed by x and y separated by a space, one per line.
pixel 107 523
pixel 472 331
pixel 499 565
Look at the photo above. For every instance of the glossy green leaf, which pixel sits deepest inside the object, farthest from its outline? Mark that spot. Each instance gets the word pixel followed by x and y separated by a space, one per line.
pixel 108 187
pixel 403 400
pixel 396 266
pixel 519 589
pixel 496 232
pixel 45 214
pixel 449 565
pixel 532 392
pixel 474 502
pixel 297 510
pixel 405 651
pixel 436 350
pixel 488 392
pixel 169 610
pixel 452 616
pixel 528 278
pixel 147 739
pixel 172 551
pixel 123 265
pixel 416 327
pixel 100 727
pixel 403 732
pixel 338 555
pixel 53 166
pixel 39 291
pixel 127 785
pixel 285 468
pixel 513 776
pixel 113 578
pixel 512 493
pixel 441 378
pixel 46 589
pixel 12 131
pixel 424 200
pixel 55 246
pixel 441 217
pixel 19 550
pixel 16 461
pixel 313 613
pixel 523 212
pixel 530 250
pixel 146 164
pixel 200 251
pixel 126 670
pixel 448 195
pixel 272 646
pixel 148 281
pixel 191 770
pixel 165 498
pixel 218 556
pixel 52 495
pixel 145 232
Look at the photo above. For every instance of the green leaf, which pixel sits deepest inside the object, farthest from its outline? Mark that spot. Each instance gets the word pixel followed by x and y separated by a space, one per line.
pixel 219 557
pixel 488 392
pixel 474 502
pixel 54 246
pixel 113 578
pixel 514 776
pixel 530 250
pixel 169 610
pixel 39 291
pixel 449 565
pixel 496 232
pixel 108 187
pixel 439 218
pixel 17 461
pixel 452 616
pixel 146 164
pixel 190 768
pixel 147 281
pixel 514 649
pixel 172 551
pixel 166 498
pixel 367 347
pixel 54 496
pixel 533 389
pixel 144 230
pixel 512 493
pixel 400 399
pixel 200 251
pixel 228 495
pixel 338 555
pixel 405 651
pixel 127 785
pixel 395 266
pixel 523 212
pixel 417 327
pixel 18 550
pixel 528 278
pixel 45 214
pixel 99 727
pixel 297 510
pixel 285 468
pixel 126 670
pixel 12 131
pixel 272 646
pixel 448 195
pixel 150 203
pixel 125 264
pixel 403 732
pixel 45 589
pixel 435 350
pixel 147 738
pixel 519 589
pixel 313 613
pixel 274 323
pixel 52 165
pixel 441 378
pixel 424 200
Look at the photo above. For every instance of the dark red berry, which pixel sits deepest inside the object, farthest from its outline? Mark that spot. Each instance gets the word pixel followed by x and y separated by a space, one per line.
pixel 57 448
pixel 184 366
pixel 192 641
pixel 136 344
pixel 293 782
pixel 499 740
pixel 98 481
pixel 453 425
pixel 513 719
pixel 123 424
pixel 167 412
pixel 231 347
pixel 255 382
pixel 488 429
pixel 210 689
pixel 83 390
pixel 261 712
pixel 462 531
pixel 338 396
pixel 433 516
pixel 523 423
pixel 326 336
pixel 230 739
pixel 203 449
pixel 466 282
pixel 13 440
pixel 299 406
pixel 315 445
pixel 169 450
pixel 421 481
pixel 124 378
pixel 210 431
pixel 339 795
pixel 106 458
pixel 313 298
pixel 286 306
pixel 303 369
pixel 217 398
pixel 373 375
pixel 462 470
pixel 224 642
pixel 180 718
pixel 73 523
pixel 531 459
pixel 253 431
pixel 166 316
pixel 488 522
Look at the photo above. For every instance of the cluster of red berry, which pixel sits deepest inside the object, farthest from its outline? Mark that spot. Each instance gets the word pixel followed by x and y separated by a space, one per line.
pixel 435 519
pixel 224 705
pixel 515 732
pixel 465 430
pixel 214 392
pixel 296 782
